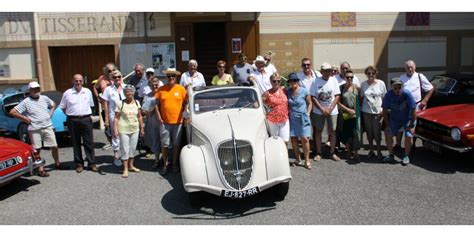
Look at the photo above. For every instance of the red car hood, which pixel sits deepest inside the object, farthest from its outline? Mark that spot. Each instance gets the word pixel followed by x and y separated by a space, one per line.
pixel 459 115
pixel 10 146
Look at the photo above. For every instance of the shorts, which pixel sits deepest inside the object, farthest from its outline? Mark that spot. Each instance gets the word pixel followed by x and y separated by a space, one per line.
pixel 396 127
pixel 280 130
pixel 43 138
pixel 170 135
pixel 319 121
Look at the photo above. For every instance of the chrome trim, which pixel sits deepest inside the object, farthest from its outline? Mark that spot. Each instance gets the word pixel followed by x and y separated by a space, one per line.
pixel 458 149
pixel 27 169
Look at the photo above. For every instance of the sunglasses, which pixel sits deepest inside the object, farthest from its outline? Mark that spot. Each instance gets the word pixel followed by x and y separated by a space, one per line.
pixel 79 81
pixel 110 70
pixel 349 77
pixel 293 80
pixel 276 81
pixel 171 76
pixel 221 67
pixel 156 84
pixel 116 77
pixel 371 73
pixel 306 64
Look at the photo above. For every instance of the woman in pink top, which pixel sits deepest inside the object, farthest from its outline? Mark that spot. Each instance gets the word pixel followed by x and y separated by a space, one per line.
pixel 277 118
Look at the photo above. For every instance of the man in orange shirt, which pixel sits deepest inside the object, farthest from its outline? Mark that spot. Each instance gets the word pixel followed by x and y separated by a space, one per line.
pixel 171 100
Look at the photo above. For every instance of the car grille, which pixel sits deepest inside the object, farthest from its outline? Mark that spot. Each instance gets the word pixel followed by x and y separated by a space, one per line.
pixel 237 171
pixel 434 131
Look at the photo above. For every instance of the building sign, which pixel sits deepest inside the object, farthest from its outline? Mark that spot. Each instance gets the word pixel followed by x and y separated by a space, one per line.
pixel 417 18
pixel 163 56
pixel 87 24
pixel 343 19
pixel 236 45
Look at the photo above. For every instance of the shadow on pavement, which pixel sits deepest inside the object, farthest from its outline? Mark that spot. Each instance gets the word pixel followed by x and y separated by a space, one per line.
pixel 213 207
pixel 447 163
pixel 21 184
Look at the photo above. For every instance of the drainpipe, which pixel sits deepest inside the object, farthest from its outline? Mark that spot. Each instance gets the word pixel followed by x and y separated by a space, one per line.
pixel 39 61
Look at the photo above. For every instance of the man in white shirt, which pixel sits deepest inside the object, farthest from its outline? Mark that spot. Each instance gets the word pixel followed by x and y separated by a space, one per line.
pixel 307 75
pixel 192 77
pixel 325 94
pixel 415 83
pixel 345 66
pixel 76 103
pixel 261 77
pixel 269 67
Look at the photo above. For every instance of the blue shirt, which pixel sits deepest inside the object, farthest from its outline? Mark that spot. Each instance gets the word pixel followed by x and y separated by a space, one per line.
pixel 297 104
pixel 401 106
pixel 37 110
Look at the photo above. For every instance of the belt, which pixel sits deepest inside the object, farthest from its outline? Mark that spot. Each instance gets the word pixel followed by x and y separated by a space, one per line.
pixel 78 117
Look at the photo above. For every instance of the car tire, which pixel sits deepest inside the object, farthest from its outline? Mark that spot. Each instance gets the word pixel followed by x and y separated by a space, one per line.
pixel 22 133
pixel 280 191
pixel 196 198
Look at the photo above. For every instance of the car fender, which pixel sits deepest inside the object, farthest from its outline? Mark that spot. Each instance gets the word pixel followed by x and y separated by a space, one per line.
pixel 193 167
pixel 276 158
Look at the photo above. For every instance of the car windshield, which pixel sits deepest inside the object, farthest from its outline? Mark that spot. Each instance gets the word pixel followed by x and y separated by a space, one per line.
pixel 443 84
pixel 228 98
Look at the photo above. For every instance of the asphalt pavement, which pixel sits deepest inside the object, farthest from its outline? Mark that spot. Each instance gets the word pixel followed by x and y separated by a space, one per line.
pixel 431 190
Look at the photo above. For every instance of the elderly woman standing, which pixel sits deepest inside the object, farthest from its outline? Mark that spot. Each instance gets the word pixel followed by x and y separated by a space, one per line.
pixel 128 125
pixel 299 106
pixel 222 78
pixel 152 124
pixel 349 105
pixel 372 91
pixel 277 118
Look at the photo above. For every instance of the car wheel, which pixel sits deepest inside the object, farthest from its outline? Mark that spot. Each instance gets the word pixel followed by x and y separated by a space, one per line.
pixel 280 191
pixel 22 133
pixel 196 198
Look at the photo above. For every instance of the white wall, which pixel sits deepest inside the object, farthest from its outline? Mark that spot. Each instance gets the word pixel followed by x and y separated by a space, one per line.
pixel 19 61
pixel 359 52
pixel 426 51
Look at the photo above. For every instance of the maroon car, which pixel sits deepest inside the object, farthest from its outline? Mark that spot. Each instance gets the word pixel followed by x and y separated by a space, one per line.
pixel 16 158
pixel 447 127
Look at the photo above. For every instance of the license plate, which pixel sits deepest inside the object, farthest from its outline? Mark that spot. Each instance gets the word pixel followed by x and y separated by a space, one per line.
pixel 240 194
pixel 10 162
pixel 432 147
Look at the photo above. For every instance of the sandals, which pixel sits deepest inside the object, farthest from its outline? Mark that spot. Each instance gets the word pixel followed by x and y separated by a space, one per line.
pixel 43 174
pixel 334 157
pixel 125 174
pixel 317 157
pixel 134 169
pixel 308 166
pixel 297 163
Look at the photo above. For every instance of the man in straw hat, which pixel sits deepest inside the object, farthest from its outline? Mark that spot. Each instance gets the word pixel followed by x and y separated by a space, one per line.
pixel 171 100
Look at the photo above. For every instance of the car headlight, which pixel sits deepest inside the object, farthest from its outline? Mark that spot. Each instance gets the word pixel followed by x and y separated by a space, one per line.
pixel 456 134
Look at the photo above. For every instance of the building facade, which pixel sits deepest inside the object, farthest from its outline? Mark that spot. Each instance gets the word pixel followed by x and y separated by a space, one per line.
pixel 51 47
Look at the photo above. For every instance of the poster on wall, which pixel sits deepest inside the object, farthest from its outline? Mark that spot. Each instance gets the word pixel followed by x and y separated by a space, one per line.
pixel 236 45
pixel 163 56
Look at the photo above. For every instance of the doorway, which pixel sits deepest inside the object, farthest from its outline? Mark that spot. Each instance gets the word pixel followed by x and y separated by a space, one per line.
pixel 85 60
pixel 210 47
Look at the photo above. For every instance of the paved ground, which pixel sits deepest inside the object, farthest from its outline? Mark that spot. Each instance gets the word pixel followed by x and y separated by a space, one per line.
pixel 431 190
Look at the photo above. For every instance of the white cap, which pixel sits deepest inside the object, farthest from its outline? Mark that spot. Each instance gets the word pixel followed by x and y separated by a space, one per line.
pixel 259 58
pixel 33 84
pixel 326 66
pixel 150 70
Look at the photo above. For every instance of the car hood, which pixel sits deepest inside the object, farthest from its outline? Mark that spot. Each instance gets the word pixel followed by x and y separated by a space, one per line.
pixel 10 146
pixel 216 126
pixel 459 115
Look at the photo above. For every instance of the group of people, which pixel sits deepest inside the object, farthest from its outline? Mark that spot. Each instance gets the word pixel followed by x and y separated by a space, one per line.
pixel 338 101
pixel 155 109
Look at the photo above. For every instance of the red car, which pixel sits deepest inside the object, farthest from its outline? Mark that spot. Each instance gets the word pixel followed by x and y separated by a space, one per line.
pixel 447 127
pixel 16 158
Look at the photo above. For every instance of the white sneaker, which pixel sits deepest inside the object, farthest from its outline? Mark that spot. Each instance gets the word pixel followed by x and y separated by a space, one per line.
pixel 405 160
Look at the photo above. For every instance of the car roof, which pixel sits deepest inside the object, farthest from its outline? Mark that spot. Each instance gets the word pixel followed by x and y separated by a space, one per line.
pixel 458 76
pixel 203 88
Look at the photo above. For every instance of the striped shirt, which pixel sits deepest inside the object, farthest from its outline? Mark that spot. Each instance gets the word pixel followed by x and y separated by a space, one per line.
pixel 77 103
pixel 37 110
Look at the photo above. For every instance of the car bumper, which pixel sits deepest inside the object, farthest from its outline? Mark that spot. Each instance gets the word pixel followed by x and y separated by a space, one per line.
pixel 217 190
pixel 457 149
pixel 27 169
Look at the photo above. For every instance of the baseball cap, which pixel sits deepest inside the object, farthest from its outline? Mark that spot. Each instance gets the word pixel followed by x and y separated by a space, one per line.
pixel 150 70
pixel 326 66
pixel 396 81
pixel 293 77
pixel 33 84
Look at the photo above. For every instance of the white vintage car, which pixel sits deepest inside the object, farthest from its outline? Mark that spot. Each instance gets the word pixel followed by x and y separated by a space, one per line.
pixel 229 151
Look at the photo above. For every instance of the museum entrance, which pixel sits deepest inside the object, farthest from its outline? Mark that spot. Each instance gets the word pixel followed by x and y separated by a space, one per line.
pixel 86 60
